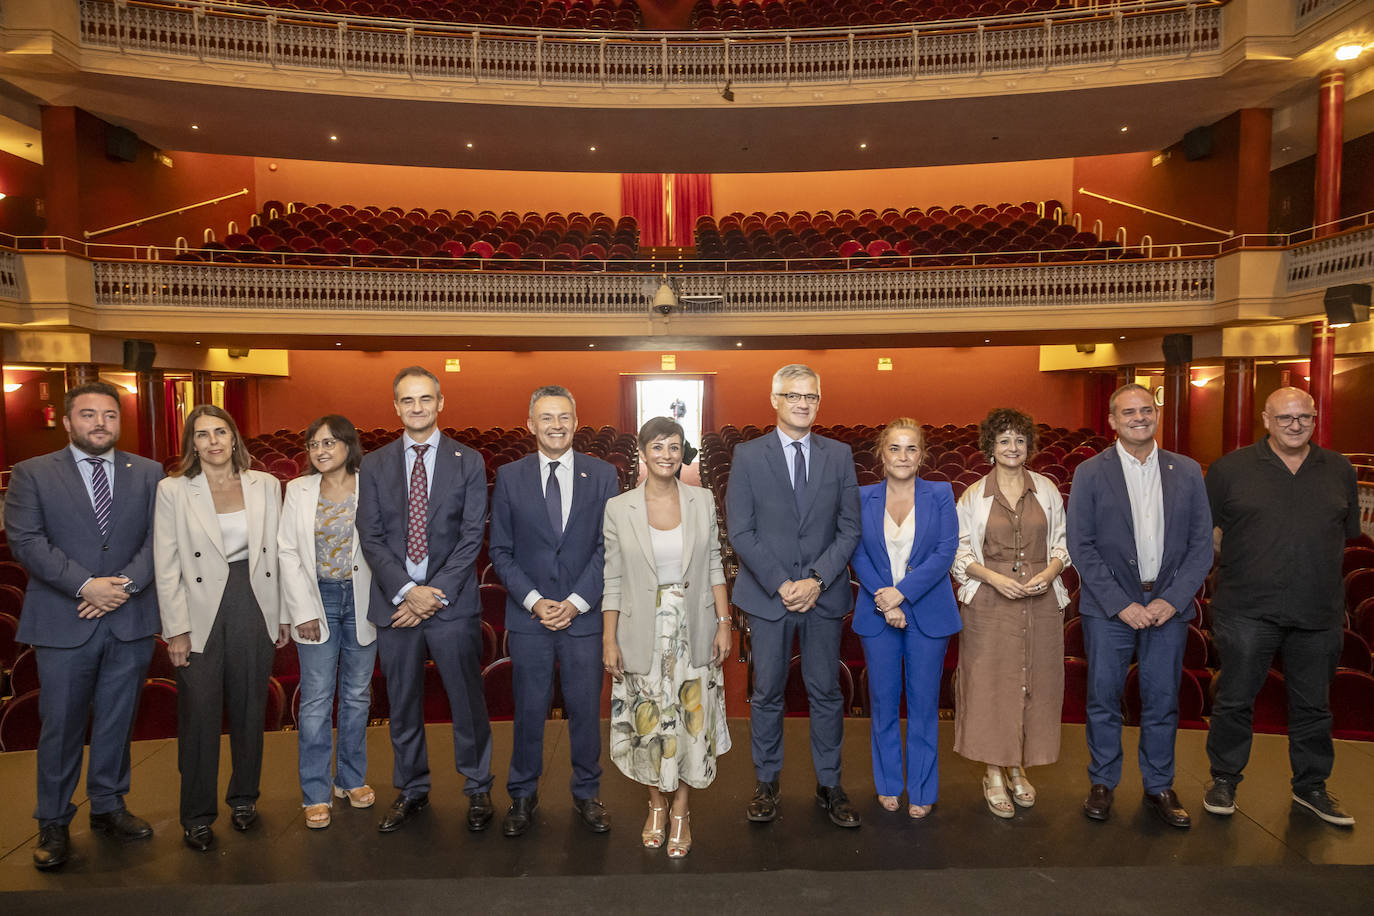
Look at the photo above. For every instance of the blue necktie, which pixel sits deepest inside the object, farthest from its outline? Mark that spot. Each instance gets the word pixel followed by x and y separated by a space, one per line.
pixel 553 501
pixel 798 474
pixel 100 491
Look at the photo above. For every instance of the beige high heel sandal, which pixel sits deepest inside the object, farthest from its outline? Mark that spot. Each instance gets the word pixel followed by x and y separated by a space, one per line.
pixel 653 832
pixel 677 846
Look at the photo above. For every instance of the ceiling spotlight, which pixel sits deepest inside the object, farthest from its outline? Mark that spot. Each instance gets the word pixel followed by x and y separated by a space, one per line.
pixel 338 343
pixel 739 343
pixel 591 149
pixel 1122 337
pixel 195 127
pixel 591 346
pixel 726 93
pixel 863 146
pixel 469 146
pixel 333 138
pixel 1349 52
pixel 1124 128
pixel 987 340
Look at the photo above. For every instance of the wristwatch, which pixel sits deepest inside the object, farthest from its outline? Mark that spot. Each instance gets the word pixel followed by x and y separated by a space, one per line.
pixel 129 587
pixel 817 576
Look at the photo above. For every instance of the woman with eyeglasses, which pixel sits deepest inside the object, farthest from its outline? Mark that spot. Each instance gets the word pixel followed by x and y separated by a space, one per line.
pixel 325 584
pixel 1009 689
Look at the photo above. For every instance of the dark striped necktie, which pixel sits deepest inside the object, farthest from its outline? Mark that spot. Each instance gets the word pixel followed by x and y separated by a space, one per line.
pixel 100 492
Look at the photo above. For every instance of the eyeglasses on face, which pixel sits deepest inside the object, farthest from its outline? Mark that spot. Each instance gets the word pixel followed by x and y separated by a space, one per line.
pixel 1289 420
pixel 793 397
pixel 321 445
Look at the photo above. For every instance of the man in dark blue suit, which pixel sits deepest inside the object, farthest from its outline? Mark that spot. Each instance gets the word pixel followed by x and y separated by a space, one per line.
pixel 1140 533
pixel 793 515
pixel 546 546
pixel 80 520
pixel 422 505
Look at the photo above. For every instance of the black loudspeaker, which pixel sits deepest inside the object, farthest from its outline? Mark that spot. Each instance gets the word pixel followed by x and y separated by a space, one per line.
pixel 1347 304
pixel 238 352
pixel 1086 348
pixel 139 355
pixel 1178 348
pixel 121 144
pixel 1197 143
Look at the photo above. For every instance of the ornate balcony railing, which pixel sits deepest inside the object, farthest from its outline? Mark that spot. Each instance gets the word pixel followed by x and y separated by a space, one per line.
pixel 1309 11
pixel 11 275
pixel 216 31
pixel 1345 258
pixel 183 285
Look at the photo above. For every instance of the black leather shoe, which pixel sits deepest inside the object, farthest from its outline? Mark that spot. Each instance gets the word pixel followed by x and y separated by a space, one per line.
pixel 1324 806
pixel 199 838
pixel 1220 797
pixel 763 807
pixel 593 814
pixel 480 812
pixel 1167 806
pixel 53 846
pixel 520 815
pixel 837 804
pixel 243 816
pixel 401 810
pixel 1098 804
pixel 121 825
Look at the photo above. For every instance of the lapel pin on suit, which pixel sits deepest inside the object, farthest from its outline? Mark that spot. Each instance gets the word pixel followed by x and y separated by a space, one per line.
pixel 457 454
pixel 1171 467
pixel 582 474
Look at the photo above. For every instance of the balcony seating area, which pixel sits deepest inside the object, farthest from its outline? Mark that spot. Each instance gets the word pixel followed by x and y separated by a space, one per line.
pixel 328 235
pixel 1003 233
pixel 735 15
pixel 596 15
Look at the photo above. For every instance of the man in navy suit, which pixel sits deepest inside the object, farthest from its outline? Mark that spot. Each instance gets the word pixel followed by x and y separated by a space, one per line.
pixel 793 515
pixel 546 546
pixel 80 520
pixel 1140 533
pixel 422 505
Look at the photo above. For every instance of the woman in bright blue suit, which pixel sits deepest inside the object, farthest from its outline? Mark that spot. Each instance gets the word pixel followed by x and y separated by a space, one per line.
pixel 905 613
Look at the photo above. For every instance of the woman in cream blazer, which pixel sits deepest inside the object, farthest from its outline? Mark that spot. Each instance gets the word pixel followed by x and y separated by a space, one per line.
pixel 215 553
pixel 666 634
pixel 325 584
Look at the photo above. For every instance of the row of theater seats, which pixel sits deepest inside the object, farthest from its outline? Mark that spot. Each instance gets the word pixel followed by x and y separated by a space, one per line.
pixel 596 15
pixel 735 15
pixel 325 235
pixel 1005 233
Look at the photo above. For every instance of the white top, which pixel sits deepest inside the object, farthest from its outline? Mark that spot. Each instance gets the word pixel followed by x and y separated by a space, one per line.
pixel 667 553
pixel 899 538
pixel 233 530
pixel 1147 509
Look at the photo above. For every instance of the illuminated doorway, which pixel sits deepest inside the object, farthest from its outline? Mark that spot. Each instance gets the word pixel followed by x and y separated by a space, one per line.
pixel 683 399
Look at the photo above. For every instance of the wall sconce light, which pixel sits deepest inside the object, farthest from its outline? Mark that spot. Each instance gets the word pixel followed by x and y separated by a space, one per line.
pixel 884 364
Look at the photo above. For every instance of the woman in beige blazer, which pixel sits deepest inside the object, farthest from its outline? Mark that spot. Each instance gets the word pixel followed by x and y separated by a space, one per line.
pixel 325 583
pixel 666 635
pixel 215 552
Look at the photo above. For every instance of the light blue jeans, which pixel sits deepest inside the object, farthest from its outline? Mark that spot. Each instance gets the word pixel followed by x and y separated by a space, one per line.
pixel 321 663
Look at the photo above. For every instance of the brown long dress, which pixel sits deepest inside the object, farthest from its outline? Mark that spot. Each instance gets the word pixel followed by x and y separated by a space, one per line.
pixel 1009 691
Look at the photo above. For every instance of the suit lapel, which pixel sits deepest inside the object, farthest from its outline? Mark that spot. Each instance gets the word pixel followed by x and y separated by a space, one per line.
pixel 875 505
pixel 254 500
pixel 445 469
pixel 777 464
pixel 1168 487
pixel 687 510
pixel 203 505
pixel 639 523
pixel 921 521
pixel 581 490
pixel 1116 479
pixel 70 475
pixel 121 482
pixel 815 468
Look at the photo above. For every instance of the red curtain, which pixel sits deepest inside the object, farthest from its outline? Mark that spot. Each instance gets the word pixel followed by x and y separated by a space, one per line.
pixel 691 199
pixel 641 196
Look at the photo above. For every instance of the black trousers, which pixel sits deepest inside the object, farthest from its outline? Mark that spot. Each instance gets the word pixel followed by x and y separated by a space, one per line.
pixel 1247 646
pixel 228 680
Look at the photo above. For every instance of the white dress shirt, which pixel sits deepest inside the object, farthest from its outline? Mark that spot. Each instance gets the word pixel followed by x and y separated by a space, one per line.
pixel 1147 509
pixel 788 451
pixel 899 538
pixel 564 475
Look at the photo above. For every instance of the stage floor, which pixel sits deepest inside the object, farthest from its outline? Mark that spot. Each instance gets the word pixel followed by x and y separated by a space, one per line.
pixel 1268 843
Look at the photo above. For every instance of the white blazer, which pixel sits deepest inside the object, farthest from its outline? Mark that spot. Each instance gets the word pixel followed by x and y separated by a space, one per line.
pixel 973 510
pixel 188 553
pixel 300 590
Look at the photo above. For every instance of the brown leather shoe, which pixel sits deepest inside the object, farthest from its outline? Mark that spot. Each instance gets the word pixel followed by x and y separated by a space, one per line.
pixel 1169 809
pixel 1098 804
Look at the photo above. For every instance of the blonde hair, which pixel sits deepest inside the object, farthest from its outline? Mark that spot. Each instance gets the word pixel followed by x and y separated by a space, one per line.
pixel 902 424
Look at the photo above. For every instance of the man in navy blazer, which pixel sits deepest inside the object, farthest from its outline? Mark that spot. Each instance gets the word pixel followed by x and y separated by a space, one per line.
pixel 80 520
pixel 1140 533
pixel 547 548
pixel 792 508
pixel 422 506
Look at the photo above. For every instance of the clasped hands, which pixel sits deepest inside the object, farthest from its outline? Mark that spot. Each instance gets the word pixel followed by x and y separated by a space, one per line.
pixel 554 615
pixel 1138 616
pixel 799 595
pixel 1008 587
pixel 420 603
pixel 889 603
pixel 102 595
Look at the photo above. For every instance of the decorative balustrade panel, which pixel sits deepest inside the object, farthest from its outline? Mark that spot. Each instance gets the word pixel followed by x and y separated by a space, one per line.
pixel 11 276
pixel 208 286
pixel 425 50
pixel 1309 11
pixel 1347 258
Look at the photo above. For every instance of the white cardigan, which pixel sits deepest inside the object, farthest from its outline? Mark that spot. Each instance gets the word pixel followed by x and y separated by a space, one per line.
pixel 300 590
pixel 973 510
pixel 188 554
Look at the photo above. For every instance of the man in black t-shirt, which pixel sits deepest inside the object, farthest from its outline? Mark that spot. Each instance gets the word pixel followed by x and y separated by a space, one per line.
pixel 1283 509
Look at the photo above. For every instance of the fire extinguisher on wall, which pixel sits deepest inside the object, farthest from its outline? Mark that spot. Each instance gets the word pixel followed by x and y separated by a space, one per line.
pixel 50 416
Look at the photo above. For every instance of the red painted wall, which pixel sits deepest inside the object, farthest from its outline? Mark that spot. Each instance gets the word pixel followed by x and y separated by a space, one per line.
pixel 936 385
pixel 21 181
pixel 1291 203
pixel 26 433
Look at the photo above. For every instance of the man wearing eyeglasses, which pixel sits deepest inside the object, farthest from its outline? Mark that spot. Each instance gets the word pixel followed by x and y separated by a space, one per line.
pixel 793 514
pixel 1283 509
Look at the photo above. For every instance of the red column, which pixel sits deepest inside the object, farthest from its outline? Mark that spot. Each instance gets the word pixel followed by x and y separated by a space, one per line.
pixel 1174 426
pixel 1238 404
pixel 200 386
pixel 81 374
pixel 61 176
pixel 1327 209
pixel 152 415
pixel 1252 170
